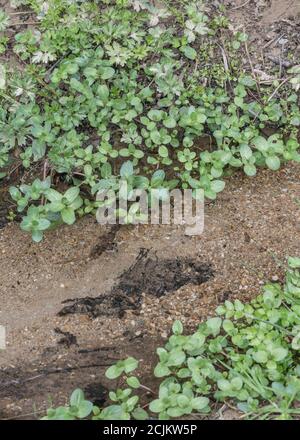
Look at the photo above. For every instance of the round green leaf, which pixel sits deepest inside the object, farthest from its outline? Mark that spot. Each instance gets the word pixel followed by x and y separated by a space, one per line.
pixel 250 170
pixel 68 216
pixel 133 382
pixel 163 151
pixel 273 162
pixel 190 52
pixel 77 397
pixel 113 372
pixel 130 364
pixel 177 328
pixel 199 403
pixel 217 185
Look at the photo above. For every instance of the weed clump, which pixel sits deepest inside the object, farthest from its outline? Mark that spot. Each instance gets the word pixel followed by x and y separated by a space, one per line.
pixel 248 355
pixel 120 89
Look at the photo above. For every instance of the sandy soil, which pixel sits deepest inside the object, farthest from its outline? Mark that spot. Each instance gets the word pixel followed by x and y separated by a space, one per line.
pixel 249 231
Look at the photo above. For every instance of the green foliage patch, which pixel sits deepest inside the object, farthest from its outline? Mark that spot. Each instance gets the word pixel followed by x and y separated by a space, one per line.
pixel 108 86
pixel 247 355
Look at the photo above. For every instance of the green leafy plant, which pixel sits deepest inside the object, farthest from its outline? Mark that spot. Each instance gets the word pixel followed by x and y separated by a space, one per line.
pixel 79 408
pixel 246 355
pixel 112 82
pixel 66 204
pixel 35 223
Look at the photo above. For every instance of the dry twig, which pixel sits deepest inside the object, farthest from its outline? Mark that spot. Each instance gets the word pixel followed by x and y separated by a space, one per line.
pixel 241 6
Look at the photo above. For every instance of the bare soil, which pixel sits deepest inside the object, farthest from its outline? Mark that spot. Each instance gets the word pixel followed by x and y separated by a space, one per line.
pixel 88 295
pixel 273 27
pixel 252 227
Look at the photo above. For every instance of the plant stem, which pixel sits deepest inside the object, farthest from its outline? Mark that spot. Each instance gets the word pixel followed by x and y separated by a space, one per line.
pixel 270 323
pixel 147 389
